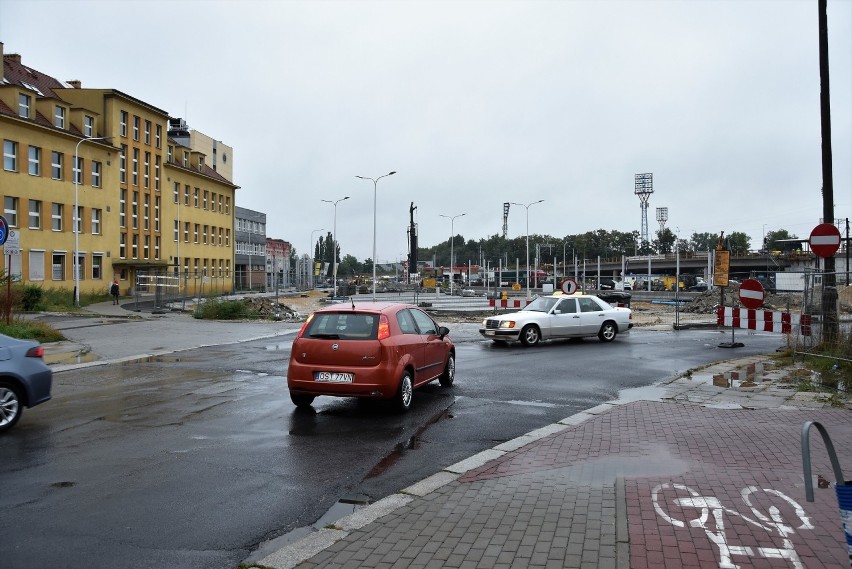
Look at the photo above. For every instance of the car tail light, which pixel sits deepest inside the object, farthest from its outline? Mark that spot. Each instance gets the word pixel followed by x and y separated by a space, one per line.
pixel 384 327
pixel 36 352
pixel 304 326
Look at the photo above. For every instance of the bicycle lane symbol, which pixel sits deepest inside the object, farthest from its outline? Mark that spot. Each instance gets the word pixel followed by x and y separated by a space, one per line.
pixel 713 511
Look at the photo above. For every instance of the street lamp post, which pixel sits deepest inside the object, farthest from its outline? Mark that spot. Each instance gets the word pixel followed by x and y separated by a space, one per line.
pixel 452 242
pixel 375 183
pixel 527 207
pixel 78 173
pixel 334 246
pixel 311 257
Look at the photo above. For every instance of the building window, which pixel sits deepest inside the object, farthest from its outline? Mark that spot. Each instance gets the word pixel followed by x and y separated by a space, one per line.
pixel 134 212
pixel 122 245
pixel 206 196
pixel 56 165
pixel 96 174
pixel 35 161
pixel 77 172
pixel 157 173
pixel 122 208
pixel 36 265
pixel 135 167
pixel 122 123
pixel 146 205
pixel 228 205
pixel 227 237
pixel 58 268
pixel 97 266
pixel 177 192
pixel 205 235
pixel 157 213
pixel 186 195
pixel 220 237
pixel 88 126
pixel 146 170
pixel 135 246
pixel 195 233
pixel 78 219
pixel 157 247
pixel 147 132
pixel 158 137
pixel 195 197
pixel 81 266
pixel 185 159
pixel 10 204
pixel 186 232
pixel 56 216
pixel 122 164
pixel 24 102
pixel 59 117
pixel 177 230
pixel 10 155
pixel 146 247
pixel 35 214
pixel 96 221
pixel 136 128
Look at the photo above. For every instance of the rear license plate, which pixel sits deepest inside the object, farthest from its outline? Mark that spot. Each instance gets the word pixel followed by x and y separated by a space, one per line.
pixel 333 377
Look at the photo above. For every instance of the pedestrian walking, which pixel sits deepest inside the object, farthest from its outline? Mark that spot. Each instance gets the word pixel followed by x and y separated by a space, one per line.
pixel 113 290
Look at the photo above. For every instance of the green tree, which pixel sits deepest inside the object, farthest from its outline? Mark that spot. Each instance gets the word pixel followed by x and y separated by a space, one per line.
pixel 739 242
pixel 774 241
pixel 664 243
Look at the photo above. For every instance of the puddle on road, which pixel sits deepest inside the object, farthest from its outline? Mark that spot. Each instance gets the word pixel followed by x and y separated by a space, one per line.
pixel 157 360
pixel 279 346
pixel 647 393
pixel 412 443
pixel 338 510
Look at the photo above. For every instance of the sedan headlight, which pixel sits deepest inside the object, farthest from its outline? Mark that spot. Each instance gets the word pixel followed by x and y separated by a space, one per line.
pixel 507 324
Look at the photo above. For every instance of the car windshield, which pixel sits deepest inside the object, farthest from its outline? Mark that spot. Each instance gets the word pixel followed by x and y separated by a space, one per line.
pixel 343 326
pixel 542 304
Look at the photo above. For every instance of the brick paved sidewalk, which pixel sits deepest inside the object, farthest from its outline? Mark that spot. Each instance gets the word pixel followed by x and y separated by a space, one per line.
pixel 646 484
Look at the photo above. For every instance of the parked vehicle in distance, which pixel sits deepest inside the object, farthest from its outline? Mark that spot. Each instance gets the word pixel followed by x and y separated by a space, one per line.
pixel 25 380
pixel 380 350
pixel 559 316
pixel 698 287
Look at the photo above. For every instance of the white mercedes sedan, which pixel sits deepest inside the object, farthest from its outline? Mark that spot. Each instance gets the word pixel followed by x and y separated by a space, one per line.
pixel 559 316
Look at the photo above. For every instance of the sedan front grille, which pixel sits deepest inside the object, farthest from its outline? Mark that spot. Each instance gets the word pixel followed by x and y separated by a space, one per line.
pixel 492 324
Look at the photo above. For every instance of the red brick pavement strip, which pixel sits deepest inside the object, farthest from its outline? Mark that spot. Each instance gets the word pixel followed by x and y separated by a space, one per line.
pixel 701 482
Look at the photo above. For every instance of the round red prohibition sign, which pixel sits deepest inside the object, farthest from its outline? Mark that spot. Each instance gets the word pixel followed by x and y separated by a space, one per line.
pixel 751 294
pixel 824 240
pixel 569 286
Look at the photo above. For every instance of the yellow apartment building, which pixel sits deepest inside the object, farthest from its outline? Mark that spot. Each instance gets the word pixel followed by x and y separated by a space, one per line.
pixel 151 209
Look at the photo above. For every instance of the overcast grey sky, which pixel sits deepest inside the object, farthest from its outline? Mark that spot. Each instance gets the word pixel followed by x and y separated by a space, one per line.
pixel 478 103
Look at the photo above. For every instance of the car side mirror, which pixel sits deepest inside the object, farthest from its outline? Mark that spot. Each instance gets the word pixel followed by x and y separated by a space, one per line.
pixel 443 331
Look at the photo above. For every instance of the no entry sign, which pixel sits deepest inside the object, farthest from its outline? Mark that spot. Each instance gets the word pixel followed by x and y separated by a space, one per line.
pixel 751 294
pixel 825 240
pixel 569 286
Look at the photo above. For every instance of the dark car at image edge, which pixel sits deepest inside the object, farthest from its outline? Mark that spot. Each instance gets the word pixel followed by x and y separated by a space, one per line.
pixel 25 380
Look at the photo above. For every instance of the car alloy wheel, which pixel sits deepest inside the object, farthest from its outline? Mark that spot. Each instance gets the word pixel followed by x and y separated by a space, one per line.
pixel 449 375
pixel 608 332
pixel 530 335
pixel 10 406
pixel 405 392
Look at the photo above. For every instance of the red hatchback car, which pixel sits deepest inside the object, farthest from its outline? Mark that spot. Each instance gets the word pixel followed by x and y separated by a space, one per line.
pixel 380 350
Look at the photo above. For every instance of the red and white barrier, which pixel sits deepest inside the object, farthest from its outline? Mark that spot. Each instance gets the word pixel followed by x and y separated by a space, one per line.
pixel 762 320
pixel 507 303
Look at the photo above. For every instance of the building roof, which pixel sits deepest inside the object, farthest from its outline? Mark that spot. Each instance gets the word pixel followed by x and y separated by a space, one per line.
pixel 16 73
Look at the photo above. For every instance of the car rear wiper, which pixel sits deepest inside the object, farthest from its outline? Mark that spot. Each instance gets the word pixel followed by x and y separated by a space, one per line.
pixel 326 336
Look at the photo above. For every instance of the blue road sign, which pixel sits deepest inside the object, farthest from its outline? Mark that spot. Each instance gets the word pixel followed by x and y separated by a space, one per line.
pixel 4 230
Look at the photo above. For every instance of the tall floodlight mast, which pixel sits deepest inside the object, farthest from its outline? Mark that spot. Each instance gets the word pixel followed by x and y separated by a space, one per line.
pixel 662 217
pixel 505 219
pixel 644 187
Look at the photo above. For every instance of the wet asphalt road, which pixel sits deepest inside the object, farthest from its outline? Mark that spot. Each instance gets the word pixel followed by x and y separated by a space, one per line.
pixel 196 458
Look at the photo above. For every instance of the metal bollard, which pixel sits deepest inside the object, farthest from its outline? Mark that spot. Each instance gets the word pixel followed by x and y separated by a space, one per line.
pixel 843 487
